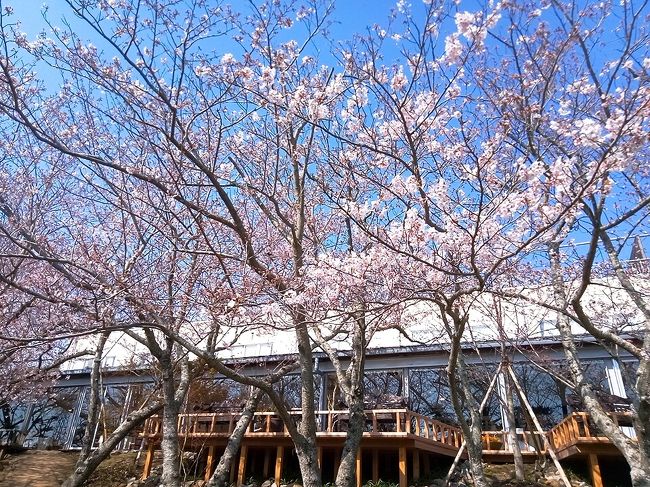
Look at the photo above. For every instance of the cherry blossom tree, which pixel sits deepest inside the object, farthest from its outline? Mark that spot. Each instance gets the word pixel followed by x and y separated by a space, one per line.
pixel 456 150
pixel 201 164
pixel 167 114
pixel 588 110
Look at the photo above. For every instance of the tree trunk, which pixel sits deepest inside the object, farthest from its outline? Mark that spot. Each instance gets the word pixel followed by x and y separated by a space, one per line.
pixel 512 430
pixel 220 476
pixel 83 470
pixel 640 475
pixel 94 403
pixel 355 393
pixel 346 474
pixel 642 406
pixel 169 445
pixel 308 462
pixel 306 444
pixel 472 430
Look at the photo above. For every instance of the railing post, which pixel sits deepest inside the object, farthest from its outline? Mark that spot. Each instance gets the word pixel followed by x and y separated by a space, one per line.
pixel 148 461
pixel 278 465
pixel 359 470
pixel 585 422
pixel 596 478
pixel 243 454
pixel 209 467
pixel 403 479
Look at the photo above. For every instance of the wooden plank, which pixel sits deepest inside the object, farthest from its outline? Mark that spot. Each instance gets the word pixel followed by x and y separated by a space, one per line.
pixel 403 480
pixel 278 465
pixel 319 456
pixel 585 423
pixel 358 469
pixel 209 466
pixel 232 474
pixel 594 467
pixel 148 461
pixel 243 456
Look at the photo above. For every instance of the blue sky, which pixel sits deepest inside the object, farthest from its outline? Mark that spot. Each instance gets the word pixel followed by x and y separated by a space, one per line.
pixel 351 15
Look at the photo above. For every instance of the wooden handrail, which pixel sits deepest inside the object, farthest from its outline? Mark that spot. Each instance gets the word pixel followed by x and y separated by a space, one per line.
pixel 575 427
pixel 378 421
pixel 500 441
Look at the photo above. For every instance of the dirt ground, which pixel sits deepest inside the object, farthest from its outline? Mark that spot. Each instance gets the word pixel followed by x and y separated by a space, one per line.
pixel 35 469
pixel 39 468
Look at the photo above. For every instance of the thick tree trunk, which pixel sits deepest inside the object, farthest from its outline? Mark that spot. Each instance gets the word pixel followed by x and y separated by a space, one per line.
pixel 83 470
pixel 220 476
pixel 642 406
pixel 346 474
pixel 355 392
pixel 459 385
pixel 640 475
pixel 169 445
pixel 306 443
pixel 308 462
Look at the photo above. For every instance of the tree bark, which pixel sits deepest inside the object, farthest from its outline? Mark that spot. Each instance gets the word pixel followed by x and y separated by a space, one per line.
pixel 512 430
pixel 460 390
pixel 306 442
pixel 220 476
pixel 471 430
pixel 352 384
pixel 94 403
pixel 83 470
pixel 169 446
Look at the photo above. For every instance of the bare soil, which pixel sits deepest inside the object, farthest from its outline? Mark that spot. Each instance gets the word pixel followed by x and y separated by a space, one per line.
pixel 34 468
pixel 40 468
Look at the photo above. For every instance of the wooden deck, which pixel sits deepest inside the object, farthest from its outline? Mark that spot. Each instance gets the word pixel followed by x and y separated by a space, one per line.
pixel 415 438
pixel 576 436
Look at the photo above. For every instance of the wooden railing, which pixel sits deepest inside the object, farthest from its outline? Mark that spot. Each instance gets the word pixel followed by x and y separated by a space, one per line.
pixel 499 441
pixel 387 422
pixel 578 427
pixel 377 421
